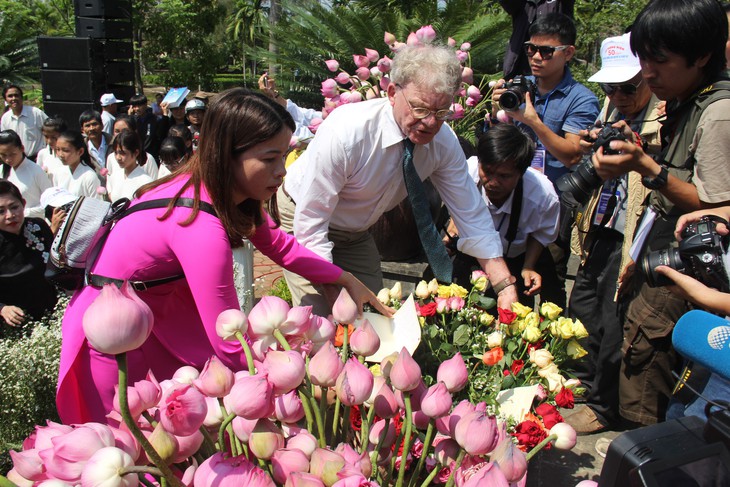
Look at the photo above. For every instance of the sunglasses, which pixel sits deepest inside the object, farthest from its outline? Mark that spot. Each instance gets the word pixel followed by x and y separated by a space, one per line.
pixel 546 52
pixel 625 88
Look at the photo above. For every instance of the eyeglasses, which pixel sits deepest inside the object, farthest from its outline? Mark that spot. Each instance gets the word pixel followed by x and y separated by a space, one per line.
pixel 420 113
pixel 546 52
pixel 625 88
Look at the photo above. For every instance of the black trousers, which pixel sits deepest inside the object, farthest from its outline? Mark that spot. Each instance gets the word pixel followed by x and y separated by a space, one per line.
pixel 592 302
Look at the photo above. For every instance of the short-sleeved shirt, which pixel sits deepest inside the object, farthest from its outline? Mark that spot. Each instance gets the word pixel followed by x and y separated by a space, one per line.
pixel 569 108
pixel 82 182
pixel 119 185
pixel 28 126
pixel 712 143
pixel 32 181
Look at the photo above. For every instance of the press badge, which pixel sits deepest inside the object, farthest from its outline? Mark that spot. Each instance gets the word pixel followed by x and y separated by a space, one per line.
pixel 642 232
pixel 606 194
pixel 538 161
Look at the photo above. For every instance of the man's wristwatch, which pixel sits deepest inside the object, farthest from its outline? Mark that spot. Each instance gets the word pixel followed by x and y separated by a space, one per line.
pixel 657 182
pixel 502 285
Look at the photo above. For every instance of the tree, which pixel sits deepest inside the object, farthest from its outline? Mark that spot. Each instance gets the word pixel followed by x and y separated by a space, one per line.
pixel 247 23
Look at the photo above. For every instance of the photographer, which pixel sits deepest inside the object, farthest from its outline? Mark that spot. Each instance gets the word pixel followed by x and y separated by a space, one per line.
pixel 603 231
pixel 712 300
pixel 681 45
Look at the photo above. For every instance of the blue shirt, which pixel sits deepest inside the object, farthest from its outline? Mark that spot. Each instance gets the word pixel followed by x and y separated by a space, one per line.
pixel 569 108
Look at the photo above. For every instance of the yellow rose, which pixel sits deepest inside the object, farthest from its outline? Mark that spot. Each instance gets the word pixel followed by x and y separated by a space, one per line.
pixel 532 319
pixel 479 280
pixel 486 319
pixel 515 328
pixel 550 311
pixel 422 321
pixel 548 370
pixel 384 296
pixel 422 290
pixel 531 334
pixel 495 339
pixel 433 287
pixel 566 328
pixel 575 351
pixel 541 358
pixel 579 330
pixel 555 382
pixel 459 291
pixel 555 329
pixel 520 309
pixel 444 291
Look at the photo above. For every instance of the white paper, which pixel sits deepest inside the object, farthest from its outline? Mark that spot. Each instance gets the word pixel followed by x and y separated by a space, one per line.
pixel 644 227
pixel 403 330
pixel 515 403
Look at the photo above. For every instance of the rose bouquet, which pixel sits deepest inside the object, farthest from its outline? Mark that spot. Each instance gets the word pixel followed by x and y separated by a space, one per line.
pixel 286 420
pixel 517 348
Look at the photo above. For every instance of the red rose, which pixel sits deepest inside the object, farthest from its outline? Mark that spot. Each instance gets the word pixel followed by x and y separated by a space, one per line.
pixel 529 434
pixel 355 418
pixel 564 398
pixel 535 346
pixel 550 415
pixel 427 310
pixel 506 316
pixel 517 366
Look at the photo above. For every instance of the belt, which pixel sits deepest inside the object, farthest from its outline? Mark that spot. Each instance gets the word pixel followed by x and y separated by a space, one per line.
pixel 96 280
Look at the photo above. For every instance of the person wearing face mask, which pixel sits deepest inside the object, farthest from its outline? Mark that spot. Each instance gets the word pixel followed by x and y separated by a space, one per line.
pixel 367 157
pixel 603 235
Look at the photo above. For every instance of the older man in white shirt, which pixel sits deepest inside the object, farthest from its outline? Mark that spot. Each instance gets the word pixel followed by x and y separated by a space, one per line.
pixel 353 172
pixel 25 120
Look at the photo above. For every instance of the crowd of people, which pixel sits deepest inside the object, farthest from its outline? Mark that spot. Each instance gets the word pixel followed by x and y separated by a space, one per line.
pixel 536 178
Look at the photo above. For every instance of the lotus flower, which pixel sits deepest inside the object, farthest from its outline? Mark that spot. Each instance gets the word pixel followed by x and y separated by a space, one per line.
pixel 566 436
pixel 345 309
pixel 354 384
pixel 303 441
pixel 458 110
pixel 216 379
pixel 426 34
pixel 28 464
pixel 288 407
pixel 66 459
pixel 230 322
pixel 164 443
pixel 219 471
pixel 383 399
pixel 325 366
pixel 383 431
pixel 325 464
pixel 363 73
pixel 183 410
pixel 329 90
pixel 465 46
pixel 342 78
pixel 265 439
pixel 467 75
pixel 251 397
pixel 511 460
pixel 117 321
pixel 286 461
pixel 285 370
pixel 332 65
pixel 360 461
pixel 185 374
pixel 453 373
pixel 361 61
pixel 451 42
pixel 446 450
pixel 503 117
pixel 372 55
pixel 437 401
pixel 405 374
pixel 104 466
pixel 365 340
pixel 389 38
pixel 299 479
pixel 489 475
pixel 462 56
pixel 476 432
pixel 384 64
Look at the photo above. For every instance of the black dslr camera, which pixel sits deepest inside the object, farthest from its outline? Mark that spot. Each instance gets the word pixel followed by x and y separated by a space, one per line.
pixel 514 96
pixel 699 255
pixel 584 180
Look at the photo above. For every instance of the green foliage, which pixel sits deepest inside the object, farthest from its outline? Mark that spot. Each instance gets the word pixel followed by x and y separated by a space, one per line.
pixel 280 290
pixel 29 358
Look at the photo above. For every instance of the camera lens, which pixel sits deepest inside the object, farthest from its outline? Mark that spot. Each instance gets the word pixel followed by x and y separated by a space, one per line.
pixel 581 182
pixel 668 257
pixel 511 100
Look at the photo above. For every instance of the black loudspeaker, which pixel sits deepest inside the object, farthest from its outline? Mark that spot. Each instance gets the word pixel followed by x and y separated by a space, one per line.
pixel 70 52
pixel 76 86
pixel 121 50
pixel 68 111
pixel 119 72
pixel 122 92
pixel 110 9
pixel 103 28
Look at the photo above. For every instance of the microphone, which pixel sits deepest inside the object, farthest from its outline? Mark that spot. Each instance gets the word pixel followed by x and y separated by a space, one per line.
pixel 704 339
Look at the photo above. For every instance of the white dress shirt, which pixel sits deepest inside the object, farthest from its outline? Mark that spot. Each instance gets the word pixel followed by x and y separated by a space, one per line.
pixel 82 182
pixel 351 173
pixel 539 214
pixel 32 181
pixel 51 164
pixel 119 185
pixel 150 167
pixel 28 126
pixel 302 118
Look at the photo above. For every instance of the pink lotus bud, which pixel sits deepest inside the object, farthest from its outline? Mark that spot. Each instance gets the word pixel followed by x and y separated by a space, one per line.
pixel 458 111
pixel 363 73
pixel 185 374
pixel 426 34
pixel 286 461
pixel 365 340
pixel 285 369
pixel 372 92
pixel 229 322
pixel 473 92
pixel 384 430
pixel 413 40
pixel 325 464
pixel 288 407
pixel 372 55
pixel 451 42
pixel 41 438
pixel 420 420
pixel 354 97
pixel 361 61
pixel 488 475
pixel 416 396
pixel 360 461
pixel 386 365
pixel 216 379
pixel 462 56
pixel 511 460
pixel 503 117
pixel 384 401
pixel 384 64
pixel 384 82
pixel 299 479
pixel 115 322
pixel 471 102
pixel 389 39
pixel 220 471
pixel 467 75
pixel 343 78
pixel 329 89
pixel 164 443
pixel 465 46
pixel 214 417
pixel 354 480
pixel 453 373
pixel 446 450
pixel 21 481
pixel 251 397
pixel 183 410
pixel 313 126
pixel 405 374
pixel 101 190
pixel 243 427
pixel 354 384
pixel 325 366
pixel 103 469
pixel 476 433
pixel 303 441
pixel 344 309
pixel 265 439
pixel 104 172
pixel 28 464
pixel 566 436
pixel 66 459
pixel 268 314
pixel 437 401
pixel 332 65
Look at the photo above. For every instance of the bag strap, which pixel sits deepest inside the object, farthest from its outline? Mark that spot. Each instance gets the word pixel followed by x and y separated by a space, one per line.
pixel 123 210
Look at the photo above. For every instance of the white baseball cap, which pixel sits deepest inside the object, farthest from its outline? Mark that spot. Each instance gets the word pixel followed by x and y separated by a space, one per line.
pixel 56 196
pixel 109 99
pixel 618 63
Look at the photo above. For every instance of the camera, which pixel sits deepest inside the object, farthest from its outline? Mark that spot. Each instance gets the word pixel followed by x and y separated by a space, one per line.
pixel 699 255
pixel 514 96
pixel 584 180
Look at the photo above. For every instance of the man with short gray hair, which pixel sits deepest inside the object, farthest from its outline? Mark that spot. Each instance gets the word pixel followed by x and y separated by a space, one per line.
pixel 359 166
